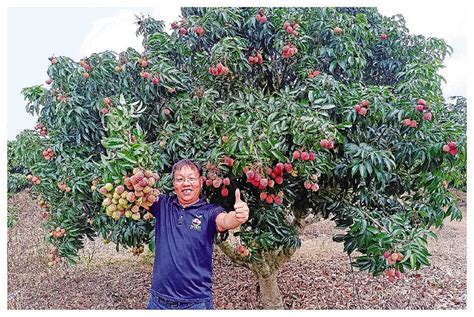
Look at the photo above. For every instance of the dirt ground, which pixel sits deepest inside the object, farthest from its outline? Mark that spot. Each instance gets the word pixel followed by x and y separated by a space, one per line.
pixel 317 277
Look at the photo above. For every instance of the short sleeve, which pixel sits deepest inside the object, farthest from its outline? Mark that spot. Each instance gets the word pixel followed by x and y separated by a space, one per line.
pixel 155 208
pixel 215 210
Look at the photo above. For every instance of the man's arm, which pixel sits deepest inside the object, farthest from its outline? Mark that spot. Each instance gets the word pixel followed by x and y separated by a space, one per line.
pixel 150 206
pixel 233 219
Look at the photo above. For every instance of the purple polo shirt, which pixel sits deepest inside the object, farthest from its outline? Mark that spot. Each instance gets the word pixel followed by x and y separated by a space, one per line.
pixel 184 238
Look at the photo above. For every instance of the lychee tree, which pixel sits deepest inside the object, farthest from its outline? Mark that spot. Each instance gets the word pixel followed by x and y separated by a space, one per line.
pixel 312 112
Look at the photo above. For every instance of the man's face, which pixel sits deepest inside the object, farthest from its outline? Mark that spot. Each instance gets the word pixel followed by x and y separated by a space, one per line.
pixel 187 185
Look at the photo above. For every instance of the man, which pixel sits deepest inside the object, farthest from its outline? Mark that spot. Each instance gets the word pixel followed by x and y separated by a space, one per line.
pixel 184 233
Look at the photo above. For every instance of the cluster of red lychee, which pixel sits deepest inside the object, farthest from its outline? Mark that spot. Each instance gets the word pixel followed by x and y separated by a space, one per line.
pixel 64 187
pixel 267 178
pixel 313 74
pixel 410 123
pixel 338 30
pixel 228 161
pixel 49 81
pixel 423 107
pixel 291 28
pixel 138 250
pixel 450 148
pixel 61 98
pixel 256 59
pixel 272 198
pixel 44 205
pixel 393 274
pixel 34 179
pixel 383 36
pixel 199 30
pixel 137 191
pixel 289 50
pixel 393 258
pixel 53 256
pixel 313 184
pixel 256 176
pixel 143 62
pixel 303 155
pixel 213 179
pixel 362 107
pixel 326 144
pixel 87 67
pixel 155 80
pixel 48 154
pixel 41 129
pixel 53 60
pixel 58 233
pixel 261 17
pixel 94 184
pixel 108 104
pixel 218 70
pixel 181 26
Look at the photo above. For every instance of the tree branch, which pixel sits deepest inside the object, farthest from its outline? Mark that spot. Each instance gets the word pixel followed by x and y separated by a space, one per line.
pixel 382 228
pixel 235 257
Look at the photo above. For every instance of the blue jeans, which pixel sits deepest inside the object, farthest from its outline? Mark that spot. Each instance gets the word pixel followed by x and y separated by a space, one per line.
pixel 157 302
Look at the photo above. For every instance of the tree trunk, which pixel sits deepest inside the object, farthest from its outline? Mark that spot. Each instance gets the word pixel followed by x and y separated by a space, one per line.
pixel 265 271
pixel 271 296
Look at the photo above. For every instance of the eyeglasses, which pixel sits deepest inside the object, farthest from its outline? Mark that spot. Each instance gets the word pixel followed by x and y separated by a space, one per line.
pixel 182 180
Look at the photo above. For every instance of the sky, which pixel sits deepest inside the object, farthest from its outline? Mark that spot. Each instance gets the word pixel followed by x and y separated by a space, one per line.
pixel 78 32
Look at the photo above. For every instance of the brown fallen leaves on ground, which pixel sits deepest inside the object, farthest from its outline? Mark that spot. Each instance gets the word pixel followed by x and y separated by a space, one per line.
pixel 317 277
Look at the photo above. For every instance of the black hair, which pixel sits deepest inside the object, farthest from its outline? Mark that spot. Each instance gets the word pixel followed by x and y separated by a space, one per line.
pixel 186 162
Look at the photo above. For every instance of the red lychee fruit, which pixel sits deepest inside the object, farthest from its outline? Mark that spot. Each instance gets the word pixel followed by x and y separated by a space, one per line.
pixel 278 200
pixel 305 156
pixel 427 116
pixel 224 192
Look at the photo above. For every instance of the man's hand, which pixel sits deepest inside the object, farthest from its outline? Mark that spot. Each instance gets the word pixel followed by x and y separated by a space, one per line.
pixel 241 208
pixel 233 219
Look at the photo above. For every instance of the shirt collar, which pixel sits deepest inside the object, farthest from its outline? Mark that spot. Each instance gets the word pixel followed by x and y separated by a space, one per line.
pixel 199 203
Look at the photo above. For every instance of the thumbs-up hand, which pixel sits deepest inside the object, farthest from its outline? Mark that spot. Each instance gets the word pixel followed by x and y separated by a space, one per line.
pixel 241 208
